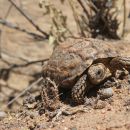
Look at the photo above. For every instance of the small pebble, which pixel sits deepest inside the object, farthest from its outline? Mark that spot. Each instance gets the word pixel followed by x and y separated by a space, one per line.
pixel 72 117
pixel 63 121
pixel 73 128
pixel 98 127
pixel 127 108
pixel 103 111
pixel 31 106
pixel 100 105
pixel 109 108
pixel 106 93
pixel 2 114
pixel 65 128
pixel 127 102
pixel 42 126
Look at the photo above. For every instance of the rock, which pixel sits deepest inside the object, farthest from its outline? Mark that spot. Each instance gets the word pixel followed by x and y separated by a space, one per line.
pixel 106 93
pixel 100 104
pixel 2 114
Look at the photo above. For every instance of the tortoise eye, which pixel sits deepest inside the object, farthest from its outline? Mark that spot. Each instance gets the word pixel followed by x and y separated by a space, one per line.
pixel 100 72
pixel 96 73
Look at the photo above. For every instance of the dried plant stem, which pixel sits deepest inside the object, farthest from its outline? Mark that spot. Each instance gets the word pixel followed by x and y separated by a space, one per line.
pixel 84 7
pixel 124 4
pixel 29 19
pixel 76 17
pixel 28 63
pixel 11 25
pixel 24 91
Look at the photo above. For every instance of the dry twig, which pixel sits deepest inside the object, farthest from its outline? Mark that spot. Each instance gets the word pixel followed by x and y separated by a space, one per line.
pixel 29 19
pixel 11 25
pixel 76 17
pixel 84 7
pixel 8 11
pixel 24 91
pixel 26 64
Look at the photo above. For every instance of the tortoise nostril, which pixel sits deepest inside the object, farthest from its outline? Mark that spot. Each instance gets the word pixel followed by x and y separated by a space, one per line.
pixel 99 72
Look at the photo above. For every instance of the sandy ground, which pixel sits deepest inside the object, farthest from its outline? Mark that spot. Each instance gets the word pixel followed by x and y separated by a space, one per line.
pixel 19 48
pixel 114 115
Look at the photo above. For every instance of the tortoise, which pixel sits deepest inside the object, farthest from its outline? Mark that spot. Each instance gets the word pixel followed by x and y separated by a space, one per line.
pixel 79 64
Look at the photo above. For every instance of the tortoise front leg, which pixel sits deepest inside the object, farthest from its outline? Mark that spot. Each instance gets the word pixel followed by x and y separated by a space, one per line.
pixel 49 94
pixel 79 90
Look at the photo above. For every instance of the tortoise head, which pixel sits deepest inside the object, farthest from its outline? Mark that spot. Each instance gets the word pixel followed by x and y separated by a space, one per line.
pixel 97 73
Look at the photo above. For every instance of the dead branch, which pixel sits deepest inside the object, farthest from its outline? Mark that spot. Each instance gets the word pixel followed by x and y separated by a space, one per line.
pixel 124 3
pixel 92 6
pixel 76 17
pixel 29 19
pixel 84 7
pixel 14 66
pixel 8 11
pixel 27 64
pixel 20 58
pixel 13 26
pixel 4 73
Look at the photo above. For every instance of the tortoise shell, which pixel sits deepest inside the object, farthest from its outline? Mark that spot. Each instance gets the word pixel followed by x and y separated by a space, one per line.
pixel 72 58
